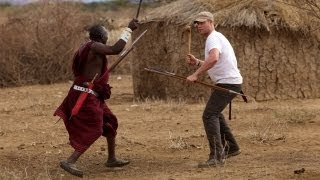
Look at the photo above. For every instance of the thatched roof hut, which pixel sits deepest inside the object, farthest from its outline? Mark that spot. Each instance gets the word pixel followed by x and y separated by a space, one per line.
pixel 277 50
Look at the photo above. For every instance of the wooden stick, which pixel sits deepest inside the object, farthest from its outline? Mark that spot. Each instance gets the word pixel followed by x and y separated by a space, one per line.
pixel 189 41
pixel 173 75
pixel 138 11
pixel 188 30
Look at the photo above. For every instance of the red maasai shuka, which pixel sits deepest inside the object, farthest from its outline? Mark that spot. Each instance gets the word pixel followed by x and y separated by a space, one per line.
pixel 94 118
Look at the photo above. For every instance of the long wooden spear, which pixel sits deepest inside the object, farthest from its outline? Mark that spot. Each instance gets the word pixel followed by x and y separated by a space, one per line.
pixel 173 75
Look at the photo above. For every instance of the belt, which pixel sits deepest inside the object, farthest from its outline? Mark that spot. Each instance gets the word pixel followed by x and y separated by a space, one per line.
pixel 83 89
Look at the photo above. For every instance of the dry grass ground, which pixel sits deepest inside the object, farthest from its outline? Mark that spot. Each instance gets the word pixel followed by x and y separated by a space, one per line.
pixel 163 140
pixel 3 16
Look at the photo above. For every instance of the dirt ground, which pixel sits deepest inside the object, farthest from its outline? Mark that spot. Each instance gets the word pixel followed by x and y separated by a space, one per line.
pixel 163 140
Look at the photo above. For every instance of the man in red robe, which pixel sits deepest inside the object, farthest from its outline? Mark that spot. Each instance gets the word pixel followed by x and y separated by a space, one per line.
pixel 94 117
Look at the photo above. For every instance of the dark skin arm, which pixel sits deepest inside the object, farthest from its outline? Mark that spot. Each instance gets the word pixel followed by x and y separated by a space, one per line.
pixel 103 49
pixel 98 50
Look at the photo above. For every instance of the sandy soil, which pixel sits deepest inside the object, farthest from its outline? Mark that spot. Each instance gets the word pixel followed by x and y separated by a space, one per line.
pixel 163 140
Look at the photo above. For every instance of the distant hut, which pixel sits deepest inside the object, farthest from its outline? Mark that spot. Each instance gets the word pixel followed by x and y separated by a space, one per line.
pixel 278 55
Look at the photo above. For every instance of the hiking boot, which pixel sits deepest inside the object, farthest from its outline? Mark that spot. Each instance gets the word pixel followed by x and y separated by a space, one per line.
pixel 232 153
pixel 211 163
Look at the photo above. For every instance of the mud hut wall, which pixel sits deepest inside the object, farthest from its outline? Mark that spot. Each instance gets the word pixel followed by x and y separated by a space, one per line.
pixel 278 65
pixel 165 46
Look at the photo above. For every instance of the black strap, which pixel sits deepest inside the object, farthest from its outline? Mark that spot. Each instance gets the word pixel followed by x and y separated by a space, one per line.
pixel 244 97
pixel 230 106
pixel 230 110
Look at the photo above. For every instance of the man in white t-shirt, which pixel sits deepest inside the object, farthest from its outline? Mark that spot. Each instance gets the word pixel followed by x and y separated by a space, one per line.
pixel 221 64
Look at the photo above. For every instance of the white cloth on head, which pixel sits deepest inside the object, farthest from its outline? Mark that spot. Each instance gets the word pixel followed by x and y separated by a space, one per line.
pixel 226 70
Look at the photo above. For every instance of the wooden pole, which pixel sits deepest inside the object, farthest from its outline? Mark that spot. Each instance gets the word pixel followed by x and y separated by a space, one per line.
pixel 173 75
pixel 188 30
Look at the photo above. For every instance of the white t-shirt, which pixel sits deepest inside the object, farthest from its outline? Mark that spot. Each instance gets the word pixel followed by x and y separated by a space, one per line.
pixel 226 69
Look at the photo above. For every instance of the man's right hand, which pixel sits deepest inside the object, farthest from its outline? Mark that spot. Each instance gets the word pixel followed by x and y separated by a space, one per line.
pixel 191 59
pixel 133 24
pixel 192 78
pixel 103 90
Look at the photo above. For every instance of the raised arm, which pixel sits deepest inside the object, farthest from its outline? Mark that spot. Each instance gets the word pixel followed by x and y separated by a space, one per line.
pixel 101 48
pixel 104 49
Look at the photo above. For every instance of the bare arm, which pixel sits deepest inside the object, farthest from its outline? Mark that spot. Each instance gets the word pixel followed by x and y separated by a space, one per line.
pixel 205 65
pixel 101 48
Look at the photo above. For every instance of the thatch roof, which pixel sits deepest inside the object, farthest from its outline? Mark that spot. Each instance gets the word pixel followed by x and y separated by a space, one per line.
pixel 266 14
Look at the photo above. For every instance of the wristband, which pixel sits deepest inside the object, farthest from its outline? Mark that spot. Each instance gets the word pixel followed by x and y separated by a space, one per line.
pixel 126 34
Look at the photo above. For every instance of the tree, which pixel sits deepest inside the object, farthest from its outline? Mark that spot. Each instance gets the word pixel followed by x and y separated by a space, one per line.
pixel 311 6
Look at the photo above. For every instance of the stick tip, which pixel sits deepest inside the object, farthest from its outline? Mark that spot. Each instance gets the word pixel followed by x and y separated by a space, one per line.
pixel 187 28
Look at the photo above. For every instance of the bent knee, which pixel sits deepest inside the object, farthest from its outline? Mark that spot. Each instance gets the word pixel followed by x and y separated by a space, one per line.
pixel 206 116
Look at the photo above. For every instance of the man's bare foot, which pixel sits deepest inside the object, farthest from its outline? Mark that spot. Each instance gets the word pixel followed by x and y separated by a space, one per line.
pixel 71 168
pixel 117 163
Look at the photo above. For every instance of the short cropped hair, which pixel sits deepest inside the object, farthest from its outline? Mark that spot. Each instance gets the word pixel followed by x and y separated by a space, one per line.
pixel 97 32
